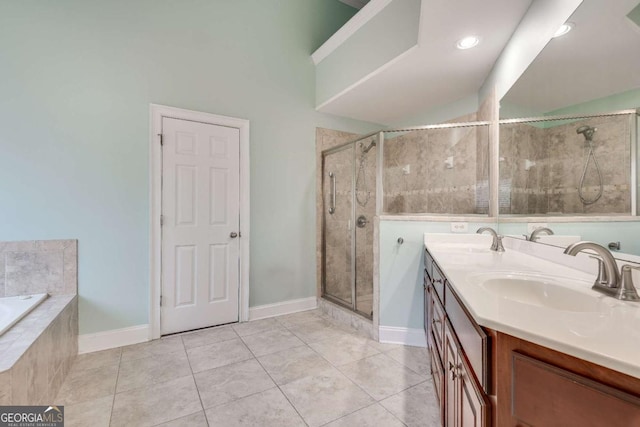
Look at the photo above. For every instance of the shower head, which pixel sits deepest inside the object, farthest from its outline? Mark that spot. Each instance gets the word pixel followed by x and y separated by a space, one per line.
pixel 587 131
pixel 366 149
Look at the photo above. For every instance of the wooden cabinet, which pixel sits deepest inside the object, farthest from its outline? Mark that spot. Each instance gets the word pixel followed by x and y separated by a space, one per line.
pixel 484 377
pixel 462 400
pixel 537 386
pixel 466 404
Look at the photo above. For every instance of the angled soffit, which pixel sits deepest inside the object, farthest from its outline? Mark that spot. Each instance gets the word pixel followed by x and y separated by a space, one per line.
pixel 432 72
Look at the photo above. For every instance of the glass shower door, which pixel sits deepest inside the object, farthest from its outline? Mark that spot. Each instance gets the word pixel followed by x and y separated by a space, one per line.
pixel 338 244
pixel 365 210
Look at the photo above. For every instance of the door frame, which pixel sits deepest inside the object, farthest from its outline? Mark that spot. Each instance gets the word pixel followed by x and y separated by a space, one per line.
pixel 156 114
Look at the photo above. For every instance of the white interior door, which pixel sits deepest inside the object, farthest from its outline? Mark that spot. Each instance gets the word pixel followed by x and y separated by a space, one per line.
pixel 200 209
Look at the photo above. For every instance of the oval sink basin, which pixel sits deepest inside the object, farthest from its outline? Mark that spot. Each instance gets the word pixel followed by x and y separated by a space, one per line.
pixel 462 248
pixel 542 292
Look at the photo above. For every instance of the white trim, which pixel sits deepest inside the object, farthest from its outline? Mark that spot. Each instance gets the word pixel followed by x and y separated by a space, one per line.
pixel 280 308
pixel 157 112
pixel 404 336
pixel 358 20
pixel 88 343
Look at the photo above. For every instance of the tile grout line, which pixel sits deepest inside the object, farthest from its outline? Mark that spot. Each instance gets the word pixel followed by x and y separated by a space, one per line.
pixel 276 384
pixel 193 377
pixel 115 387
pixel 350 380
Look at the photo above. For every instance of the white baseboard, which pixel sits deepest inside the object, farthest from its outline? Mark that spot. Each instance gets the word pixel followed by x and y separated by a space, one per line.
pixel 280 308
pixel 88 343
pixel 404 336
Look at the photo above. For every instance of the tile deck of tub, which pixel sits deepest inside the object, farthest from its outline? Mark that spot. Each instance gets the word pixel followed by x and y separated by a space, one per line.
pixel 294 370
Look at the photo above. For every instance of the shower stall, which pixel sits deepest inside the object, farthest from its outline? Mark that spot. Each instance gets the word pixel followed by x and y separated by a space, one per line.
pixel 553 165
pixel 429 170
pixel 349 205
pixel 564 166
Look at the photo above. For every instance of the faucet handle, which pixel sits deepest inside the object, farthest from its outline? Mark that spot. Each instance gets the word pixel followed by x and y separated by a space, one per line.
pixel 602 272
pixel 627 290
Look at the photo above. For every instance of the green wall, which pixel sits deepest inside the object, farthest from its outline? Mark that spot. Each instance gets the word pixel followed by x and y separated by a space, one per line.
pixel 401 269
pixel 619 101
pixel 76 81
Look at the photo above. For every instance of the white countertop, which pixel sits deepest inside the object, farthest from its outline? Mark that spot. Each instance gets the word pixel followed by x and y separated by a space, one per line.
pixel 607 336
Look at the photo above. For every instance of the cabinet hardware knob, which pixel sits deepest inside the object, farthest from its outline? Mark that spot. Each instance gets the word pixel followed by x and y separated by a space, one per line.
pixel 233 235
pixel 436 321
pixel 452 371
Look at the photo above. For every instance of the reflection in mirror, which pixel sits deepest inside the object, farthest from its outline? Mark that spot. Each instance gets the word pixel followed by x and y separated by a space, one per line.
pixel 621 237
pixel 593 68
pixel 567 167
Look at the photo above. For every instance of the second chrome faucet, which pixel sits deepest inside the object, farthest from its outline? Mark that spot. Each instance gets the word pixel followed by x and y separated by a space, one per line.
pixel 609 281
pixel 496 245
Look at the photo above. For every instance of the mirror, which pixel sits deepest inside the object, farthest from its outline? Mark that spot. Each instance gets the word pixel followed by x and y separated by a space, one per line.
pixel 592 69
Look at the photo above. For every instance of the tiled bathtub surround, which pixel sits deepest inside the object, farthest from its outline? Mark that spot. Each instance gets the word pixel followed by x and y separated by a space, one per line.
pixel 559 153
pixel 37 353
pixel 38 266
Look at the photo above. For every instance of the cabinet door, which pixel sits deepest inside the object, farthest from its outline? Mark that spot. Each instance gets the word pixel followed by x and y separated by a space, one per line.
pixel 544 394
pixel 465 403
pixel 450 368
pixel 473 405
pixel 438 378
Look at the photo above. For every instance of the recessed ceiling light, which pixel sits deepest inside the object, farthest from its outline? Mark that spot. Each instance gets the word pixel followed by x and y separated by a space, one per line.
pixel 564 29
pixel 468 42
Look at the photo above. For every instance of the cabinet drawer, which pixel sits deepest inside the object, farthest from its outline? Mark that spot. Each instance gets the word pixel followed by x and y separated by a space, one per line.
pixel 438 281
pixel 428 263
pixel 473 339
pixel 437 322
pixel 544 394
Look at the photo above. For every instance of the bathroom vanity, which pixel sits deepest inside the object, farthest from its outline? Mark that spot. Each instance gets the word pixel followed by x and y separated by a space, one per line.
pixel 517 340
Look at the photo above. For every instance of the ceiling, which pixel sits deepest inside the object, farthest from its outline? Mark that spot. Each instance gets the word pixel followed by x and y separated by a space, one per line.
pixel 358 4
pixel 435 73
pixel 599 57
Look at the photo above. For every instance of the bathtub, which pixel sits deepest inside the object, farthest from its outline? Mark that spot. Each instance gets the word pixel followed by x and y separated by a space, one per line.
pixel 12 309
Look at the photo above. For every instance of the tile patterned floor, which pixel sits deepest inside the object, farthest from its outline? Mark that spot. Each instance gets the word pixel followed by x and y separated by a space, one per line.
pixel 295 370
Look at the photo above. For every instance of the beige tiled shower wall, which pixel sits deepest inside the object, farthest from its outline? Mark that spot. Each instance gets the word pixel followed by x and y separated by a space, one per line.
pixel 435 171
pixel 559 153
pixel 339 225
pixel 339 242
pixel 365 206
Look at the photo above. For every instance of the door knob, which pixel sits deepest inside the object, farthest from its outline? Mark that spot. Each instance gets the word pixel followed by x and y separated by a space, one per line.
pixel 233 235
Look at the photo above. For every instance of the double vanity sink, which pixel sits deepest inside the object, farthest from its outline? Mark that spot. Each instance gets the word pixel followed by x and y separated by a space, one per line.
pixel 542 328
pixel 549 303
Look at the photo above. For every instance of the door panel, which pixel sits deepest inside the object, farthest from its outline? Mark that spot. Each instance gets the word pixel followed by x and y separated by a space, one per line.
pixel 200 207
pixel 337 184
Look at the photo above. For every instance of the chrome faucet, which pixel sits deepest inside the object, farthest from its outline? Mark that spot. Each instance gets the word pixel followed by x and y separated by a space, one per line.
pixel 496 245
pixel 609 281
pixel 534 234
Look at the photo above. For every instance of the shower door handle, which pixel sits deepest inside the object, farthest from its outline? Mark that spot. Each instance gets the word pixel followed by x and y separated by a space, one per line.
pixel 332 206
